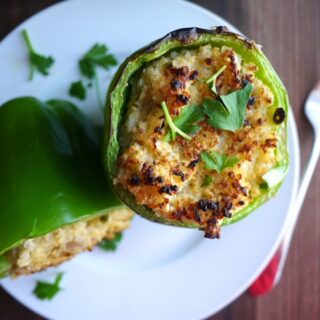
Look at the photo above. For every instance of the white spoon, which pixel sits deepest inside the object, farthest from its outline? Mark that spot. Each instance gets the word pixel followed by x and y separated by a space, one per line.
pixel 272 274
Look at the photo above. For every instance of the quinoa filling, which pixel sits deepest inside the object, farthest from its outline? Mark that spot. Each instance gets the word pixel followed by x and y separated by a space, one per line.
pixel 171 175
pixel 62 244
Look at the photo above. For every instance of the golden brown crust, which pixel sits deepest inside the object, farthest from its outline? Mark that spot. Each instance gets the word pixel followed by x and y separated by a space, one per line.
pixel 168 177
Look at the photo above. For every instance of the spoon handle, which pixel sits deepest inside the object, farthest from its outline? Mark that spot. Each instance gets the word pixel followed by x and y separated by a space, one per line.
pixel 272 273
pixel 305 182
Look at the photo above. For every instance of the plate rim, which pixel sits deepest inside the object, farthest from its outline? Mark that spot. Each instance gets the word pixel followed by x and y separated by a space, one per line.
pixel 292 132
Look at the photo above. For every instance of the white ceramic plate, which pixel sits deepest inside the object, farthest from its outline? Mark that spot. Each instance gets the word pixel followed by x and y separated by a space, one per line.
pixel 158 272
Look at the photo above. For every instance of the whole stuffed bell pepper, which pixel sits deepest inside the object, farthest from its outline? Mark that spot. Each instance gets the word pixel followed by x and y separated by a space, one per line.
pixel 54 202
pixel 196 129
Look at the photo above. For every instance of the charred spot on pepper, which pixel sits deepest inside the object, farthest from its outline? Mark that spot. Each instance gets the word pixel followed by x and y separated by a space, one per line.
pixel 244 191
pixel 159 179
pixel 182 71
pixel 202 204
pixel 193 163
pixel 231 174
pixel 269 143
pixel 157 130
pixel 205 205
pixel 162 124
pixel 226 210
pixel 176 84
pixel 179 173
pixel 227 213
pixel 244 82
pixel 197 216
pixel 174 188
pixel 259 122
pixel 135 180
pixel 279 116
pixel 212 230
pixel 165 189
pixel 148 172
pixel 221 29
pixel 179 213
pixel 169 189
pixel 251 102
pixel 182 99
pixel 208 61
pixel 213 205
pixel 194 75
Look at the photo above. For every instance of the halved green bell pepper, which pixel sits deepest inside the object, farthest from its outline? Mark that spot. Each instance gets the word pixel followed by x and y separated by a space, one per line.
pixel 190 38
pixel 50 169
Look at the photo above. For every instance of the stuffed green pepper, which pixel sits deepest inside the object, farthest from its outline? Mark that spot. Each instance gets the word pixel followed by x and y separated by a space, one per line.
pixel 196 129
pixel 54 201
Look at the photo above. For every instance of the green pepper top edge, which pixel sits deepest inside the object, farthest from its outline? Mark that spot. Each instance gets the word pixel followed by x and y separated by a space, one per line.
pixel 186 38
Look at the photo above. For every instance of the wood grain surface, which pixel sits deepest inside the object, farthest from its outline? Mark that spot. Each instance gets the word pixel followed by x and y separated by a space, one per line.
pixel 290 33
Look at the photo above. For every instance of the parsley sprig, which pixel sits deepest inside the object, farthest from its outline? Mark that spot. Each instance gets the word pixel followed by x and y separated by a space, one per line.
pixel 97 56
pixel 212 80
pixel 45 290
pixel 37 61
pixel 228 113
pixel 218 162
pixel 186 122
pixel 111 245
pixel 174 129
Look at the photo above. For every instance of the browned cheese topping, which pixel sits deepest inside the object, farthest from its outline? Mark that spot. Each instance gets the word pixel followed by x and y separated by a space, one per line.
pixel 169 176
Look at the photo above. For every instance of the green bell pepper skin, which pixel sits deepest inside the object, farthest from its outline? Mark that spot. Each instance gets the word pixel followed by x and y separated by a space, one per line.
pixel 50 170
pixel 4 266
pixel 188 38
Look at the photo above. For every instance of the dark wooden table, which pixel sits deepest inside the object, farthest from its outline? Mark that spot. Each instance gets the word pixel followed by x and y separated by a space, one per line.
pixel 290 33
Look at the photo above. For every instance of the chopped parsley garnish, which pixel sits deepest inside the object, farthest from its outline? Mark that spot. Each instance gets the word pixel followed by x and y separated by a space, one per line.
pixel 173 128
pixel 97 56
pixel 37 61
pixel 212 80
pixel 207 181
pixel 228 113
pixel 45 290
pixel 217 162
pixel 185 122
pixel 111 245
pixel 78 90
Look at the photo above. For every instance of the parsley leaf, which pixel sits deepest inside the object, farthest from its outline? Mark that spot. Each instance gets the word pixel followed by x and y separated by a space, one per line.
pixel 37 61
pixel 207 181
pixel 174 129
pixel 97 56
pixel 218 162
pixel 218 114
pixel 46 290
pixel 111 245
pixel 229 113
pixel 78 90
pixel 189 115
pixel 213 78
